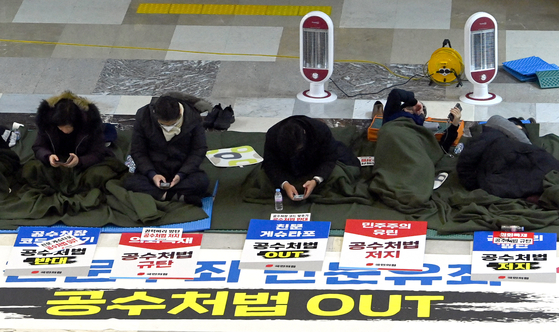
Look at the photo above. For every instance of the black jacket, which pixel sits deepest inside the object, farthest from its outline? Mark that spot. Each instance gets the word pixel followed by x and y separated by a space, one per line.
pixel 317 159
pixel 182 154
pixel 89 140
pixel 503 166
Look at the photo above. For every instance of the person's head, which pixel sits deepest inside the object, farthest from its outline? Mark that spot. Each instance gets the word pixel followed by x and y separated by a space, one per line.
pixel 518 123
pixel 292 138
pixel 417 109
pixel 167 111
pixel 66 116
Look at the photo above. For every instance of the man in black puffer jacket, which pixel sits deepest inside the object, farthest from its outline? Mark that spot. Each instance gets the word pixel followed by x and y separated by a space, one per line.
pixel 168 146
pixel 502 161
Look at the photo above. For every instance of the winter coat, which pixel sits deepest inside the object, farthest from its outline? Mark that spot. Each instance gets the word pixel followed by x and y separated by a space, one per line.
pixel 317 159
pixel 182 155
pixel 90 143
pixel 503 166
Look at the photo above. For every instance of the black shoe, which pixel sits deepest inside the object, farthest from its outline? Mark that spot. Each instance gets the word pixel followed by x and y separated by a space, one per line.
pixel 193 199
pixel 378 109
pixel 212 116
pixel 225 118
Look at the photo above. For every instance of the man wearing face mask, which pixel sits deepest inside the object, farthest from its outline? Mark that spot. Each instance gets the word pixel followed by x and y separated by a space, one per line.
pixel 168 146
pixel 406 153
pixel 402 104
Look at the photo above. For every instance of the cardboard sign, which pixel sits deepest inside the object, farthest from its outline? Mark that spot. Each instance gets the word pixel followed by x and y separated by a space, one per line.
pixel 514 256
pixel 383 244
pixel 57 257
pixel 156 259
pixel 285 245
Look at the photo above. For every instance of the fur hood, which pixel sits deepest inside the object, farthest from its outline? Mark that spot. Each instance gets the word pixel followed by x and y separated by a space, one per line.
pixel 90 112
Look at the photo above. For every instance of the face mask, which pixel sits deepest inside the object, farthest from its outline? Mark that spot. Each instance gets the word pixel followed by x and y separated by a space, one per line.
pixel 168 128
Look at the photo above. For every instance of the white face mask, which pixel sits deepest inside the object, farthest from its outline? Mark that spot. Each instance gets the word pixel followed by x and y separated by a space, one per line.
pixel 168 128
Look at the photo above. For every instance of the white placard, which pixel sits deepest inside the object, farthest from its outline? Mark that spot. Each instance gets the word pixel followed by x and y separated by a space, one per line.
pixel 60 243
pixel 161 234
pixel 367 161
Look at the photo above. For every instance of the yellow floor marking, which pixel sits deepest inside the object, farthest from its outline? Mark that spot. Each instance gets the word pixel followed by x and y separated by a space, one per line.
pixel 154 8
pixel 250 10
pixel 185 9
pixel 218 9
pixel 208 9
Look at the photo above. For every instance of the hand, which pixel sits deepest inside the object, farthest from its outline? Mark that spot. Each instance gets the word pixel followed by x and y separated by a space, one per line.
pixel 418 108
pixel 157 179
pixel 176 180
pixel 290 190
pixel 73 161
pixel 53 159
pixel 309 187
pixel 457 115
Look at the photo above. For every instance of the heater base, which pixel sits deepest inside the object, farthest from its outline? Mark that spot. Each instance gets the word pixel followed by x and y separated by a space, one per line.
pixel 306 97
pixel 470 99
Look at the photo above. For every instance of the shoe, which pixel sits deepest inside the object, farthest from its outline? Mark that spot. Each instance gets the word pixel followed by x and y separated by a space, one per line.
pixel 439 180
pixel 225 118
pixel 378 109
pixel 209 120
pixel 192 199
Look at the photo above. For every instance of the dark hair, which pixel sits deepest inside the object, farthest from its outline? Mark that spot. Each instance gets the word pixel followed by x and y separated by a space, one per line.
pixel 292 138
pixel 66 112
pixel 166 108
pixel 518 122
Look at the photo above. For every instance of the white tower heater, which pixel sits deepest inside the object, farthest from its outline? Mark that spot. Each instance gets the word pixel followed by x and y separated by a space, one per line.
pixel 316 47
pixel 480 58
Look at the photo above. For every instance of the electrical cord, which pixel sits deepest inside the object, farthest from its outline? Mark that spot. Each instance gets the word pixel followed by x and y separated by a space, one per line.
pixel 413 77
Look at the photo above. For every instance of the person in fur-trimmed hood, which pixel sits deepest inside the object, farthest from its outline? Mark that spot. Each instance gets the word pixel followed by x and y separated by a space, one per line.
pixel 69 132
pixel 168 145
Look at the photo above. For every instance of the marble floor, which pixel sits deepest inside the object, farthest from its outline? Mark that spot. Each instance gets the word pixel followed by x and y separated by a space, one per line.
pixel 109 52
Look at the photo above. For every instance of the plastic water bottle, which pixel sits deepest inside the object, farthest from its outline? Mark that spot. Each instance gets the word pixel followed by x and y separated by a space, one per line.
pixel 130 163
pixel 278 199
pixel 459 148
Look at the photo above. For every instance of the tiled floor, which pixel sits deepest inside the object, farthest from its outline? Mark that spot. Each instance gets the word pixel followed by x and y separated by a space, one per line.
pixel 104 50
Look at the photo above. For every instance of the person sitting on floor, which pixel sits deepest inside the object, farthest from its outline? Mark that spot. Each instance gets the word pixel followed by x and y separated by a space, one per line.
pixel 406 153
pixel 302 149
pixel 402 103
pixel 9 163
pixel 168 146
pixel 69 143
pixel 502 161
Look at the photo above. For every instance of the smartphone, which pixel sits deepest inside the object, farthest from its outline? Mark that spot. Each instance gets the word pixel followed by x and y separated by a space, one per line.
pixel 298 197
pixel 164 185
pixel 450 115
pixel 69 160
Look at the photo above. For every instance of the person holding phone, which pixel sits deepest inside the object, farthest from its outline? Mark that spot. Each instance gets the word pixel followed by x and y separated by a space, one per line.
pixel 402 103
pixel 69 143
pixel 406 153
pixel 168 146
pixel 301 150
pixel 70 132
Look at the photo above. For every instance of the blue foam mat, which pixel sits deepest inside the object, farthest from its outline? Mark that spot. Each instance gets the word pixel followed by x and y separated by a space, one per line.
pixel 529 66
pixel 520 77
pixel 190 226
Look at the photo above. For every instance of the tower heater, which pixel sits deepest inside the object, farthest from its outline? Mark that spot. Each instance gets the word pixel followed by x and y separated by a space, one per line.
pixel 480 55
pixel 316 47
